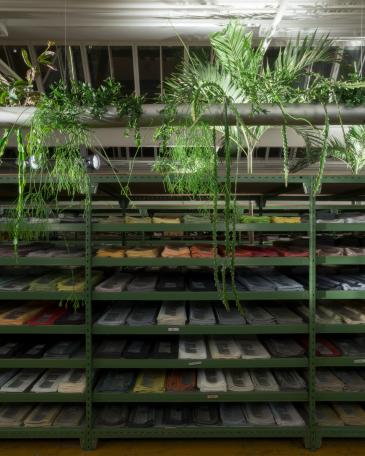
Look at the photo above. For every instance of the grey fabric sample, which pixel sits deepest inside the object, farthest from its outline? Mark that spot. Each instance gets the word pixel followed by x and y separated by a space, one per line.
pixel 110 348
pixel 286 414
pixel 281 282
pixel 70 416
pixel 172 313
pixel 73 382
pixel 6 375
pixel 116 315
pixel 143 282
pixel 258 414
pixel 112 416
pixel 49 381
pixel 351 379
pixel 143 314
pixel 257 315
pixel 115 380
pixel 349 346
pixel 62 349
pixel 263 380
pixel 289 380
pixel 42 416
pixel 252 348
pixel 284 347
pixel 142 416
pixel 176 415
pixel 205 415
pixel 326 416
pixel 283 315
pixel 14 415
pixel 253 281
pixel 21 381
pixel 239 380
pixel 222 347
pixel 326 380
pixel 211 380
pixel 232 415
pixel 192 348
pixel 228 317
pixel 116 283
pixel 201 313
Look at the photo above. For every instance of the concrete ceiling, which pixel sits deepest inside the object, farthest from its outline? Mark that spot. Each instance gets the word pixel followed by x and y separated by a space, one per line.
pixel 119 21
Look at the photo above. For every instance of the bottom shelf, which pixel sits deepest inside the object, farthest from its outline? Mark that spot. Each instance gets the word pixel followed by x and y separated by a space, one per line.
pixel 341 431
pixel 41 433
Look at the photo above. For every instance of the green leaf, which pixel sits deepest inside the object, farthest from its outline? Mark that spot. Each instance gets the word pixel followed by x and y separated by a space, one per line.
pixel 26 58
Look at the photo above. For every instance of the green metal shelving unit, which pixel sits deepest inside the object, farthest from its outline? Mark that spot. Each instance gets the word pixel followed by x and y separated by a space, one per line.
pixel 89 433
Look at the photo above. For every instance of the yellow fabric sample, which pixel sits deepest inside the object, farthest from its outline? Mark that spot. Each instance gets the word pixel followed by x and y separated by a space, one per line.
pixel 172 220
pixel 150 381
pixel 132 220
pixel 277 219
pixel 77 282
pixel 143 252
pixel 111 252
pixel 21 314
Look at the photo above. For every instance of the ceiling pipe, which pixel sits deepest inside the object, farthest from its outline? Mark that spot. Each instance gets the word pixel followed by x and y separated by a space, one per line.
pixel 271 115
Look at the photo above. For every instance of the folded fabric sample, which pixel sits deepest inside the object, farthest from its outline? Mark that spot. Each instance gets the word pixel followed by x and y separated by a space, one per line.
pixel 77 282
pixel 222 347
pixel 35 350
pixel 326 416
pixel 112 416
pixel 256 315
pixel 171 282
pixel 143 314
pixel 179 380
pixel 49 381
pixel 21 314
pixel 129 220
pixel 116 283
pixel 283 315
pixel 201 313
pixel 150 381
pixel 72 318
pixel 172 313
pixel 202 251
pixel 351 379
pixel 175 252
pixel 116 315
pixel 192 348
pixel 255 219
pixel 211 380
pixel 176 415
pixel 289 380
pixel 232 415
pixel 205 415
pixel 142 416
pixel 277 219
pixel 253 281
pixel 48 282
pixel 189 218
pixel 47 317
pixel 280 281
pixel 63 349
pixel 143 252
pixel 239 380
pixel 173 220
pixel 14 415
pixel 292 251
pixel 263 380
pixel 143 282
pixel 201 281
pixel 165 349
pixel 70 416
pixel 228 317
pixel 285 414
pixel 9 349
pixel 73 382
pixel 137 349
pixel 115 381
pixel 326 380
pixel 329 250
pixel 110 348
pixel 6 374
pixel 111 252
pixel 21 381
pixel 42 416
pixel 252 348
pixel 354 217
pixel 354 251
pixel 259 414
pixel 351 414
pixel 16 284
pixel 284 347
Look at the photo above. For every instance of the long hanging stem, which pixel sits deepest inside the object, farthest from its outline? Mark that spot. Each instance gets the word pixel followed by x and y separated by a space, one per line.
pixel 215 213
pixel 285 153
pixel 322 163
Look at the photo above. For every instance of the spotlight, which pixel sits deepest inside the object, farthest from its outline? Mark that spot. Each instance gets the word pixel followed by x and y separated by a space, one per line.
pixel 93 161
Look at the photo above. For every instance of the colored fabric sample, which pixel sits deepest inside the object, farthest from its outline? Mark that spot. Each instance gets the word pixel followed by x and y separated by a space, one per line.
pixel 255 219
pixel 351 414
pixel 179 380
pixel 211 381
pixel 42 416
pixel 202 251
pixel 111 252
pixel 129 220
pixel 175 252
pixel 172 220
pixel 150 381
pixel 116 283
pixel 277 219
pixel 48 317
pixel 20 315
pixel 77 282
pixel 143 252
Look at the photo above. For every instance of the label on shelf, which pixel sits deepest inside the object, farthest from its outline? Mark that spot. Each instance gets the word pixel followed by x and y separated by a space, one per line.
pixel 359 361
pixel 212 396
pixel 194 363
pixel 173 329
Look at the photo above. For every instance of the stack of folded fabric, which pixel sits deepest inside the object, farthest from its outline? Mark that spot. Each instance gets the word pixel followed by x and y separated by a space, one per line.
pixel 111 252
pixel 189 218
pixel 283 315
pixel 63 349
pixel 350 315
pixel 10 349
pixel 165 348
pixel 292 251
pixel 326 380
pixel 259 414
pixel 130 220
pixel 205 415
pixel 76 283
pixel 179 380
pixel 48 282
pixel 252 348
pixel 116 283
pixel 110 348
pixel 21 314
pixel 175 252
pixel 286 414
pixel 351 379
pixel 142 416
pixel 150 381
pixel 329 250
pixel 192 348
pixel 325 216
pixel 116 315
pixel 348 346
pixel 49 316
pixel 112 416
pixel 263 380
pixel 228 317
pixel 280 281
pixel 201 281
pixel 256 315
pixel 232 415
pixel 42 416
pixel 202 251
pixel 326 416
pixel 325 314
pixel 255 219
pixel 277 219
pixel 143 282
pixel 253 281
pixel 15 283
pixel 71 416
pixel 211 380
pixel 21 381
pixel 324 347
pixel 201 313
pixel 172 313
pixel 354 217
pixel 6 374
pixel 143 314
pixel 354 251
pixel 284 347
pixel 115 381
pixel 171 281
pixel 143 252
pixel 73 382
pixel 14 415
pixel 137 349
pixel 239 380
pixel 176 415
pixel 289 380
pixel 351 414
pixel 168 220
pixel 223 347
pixel 50 381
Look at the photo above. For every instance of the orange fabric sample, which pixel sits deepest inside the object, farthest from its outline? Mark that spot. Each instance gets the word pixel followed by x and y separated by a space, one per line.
pixel 175 252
